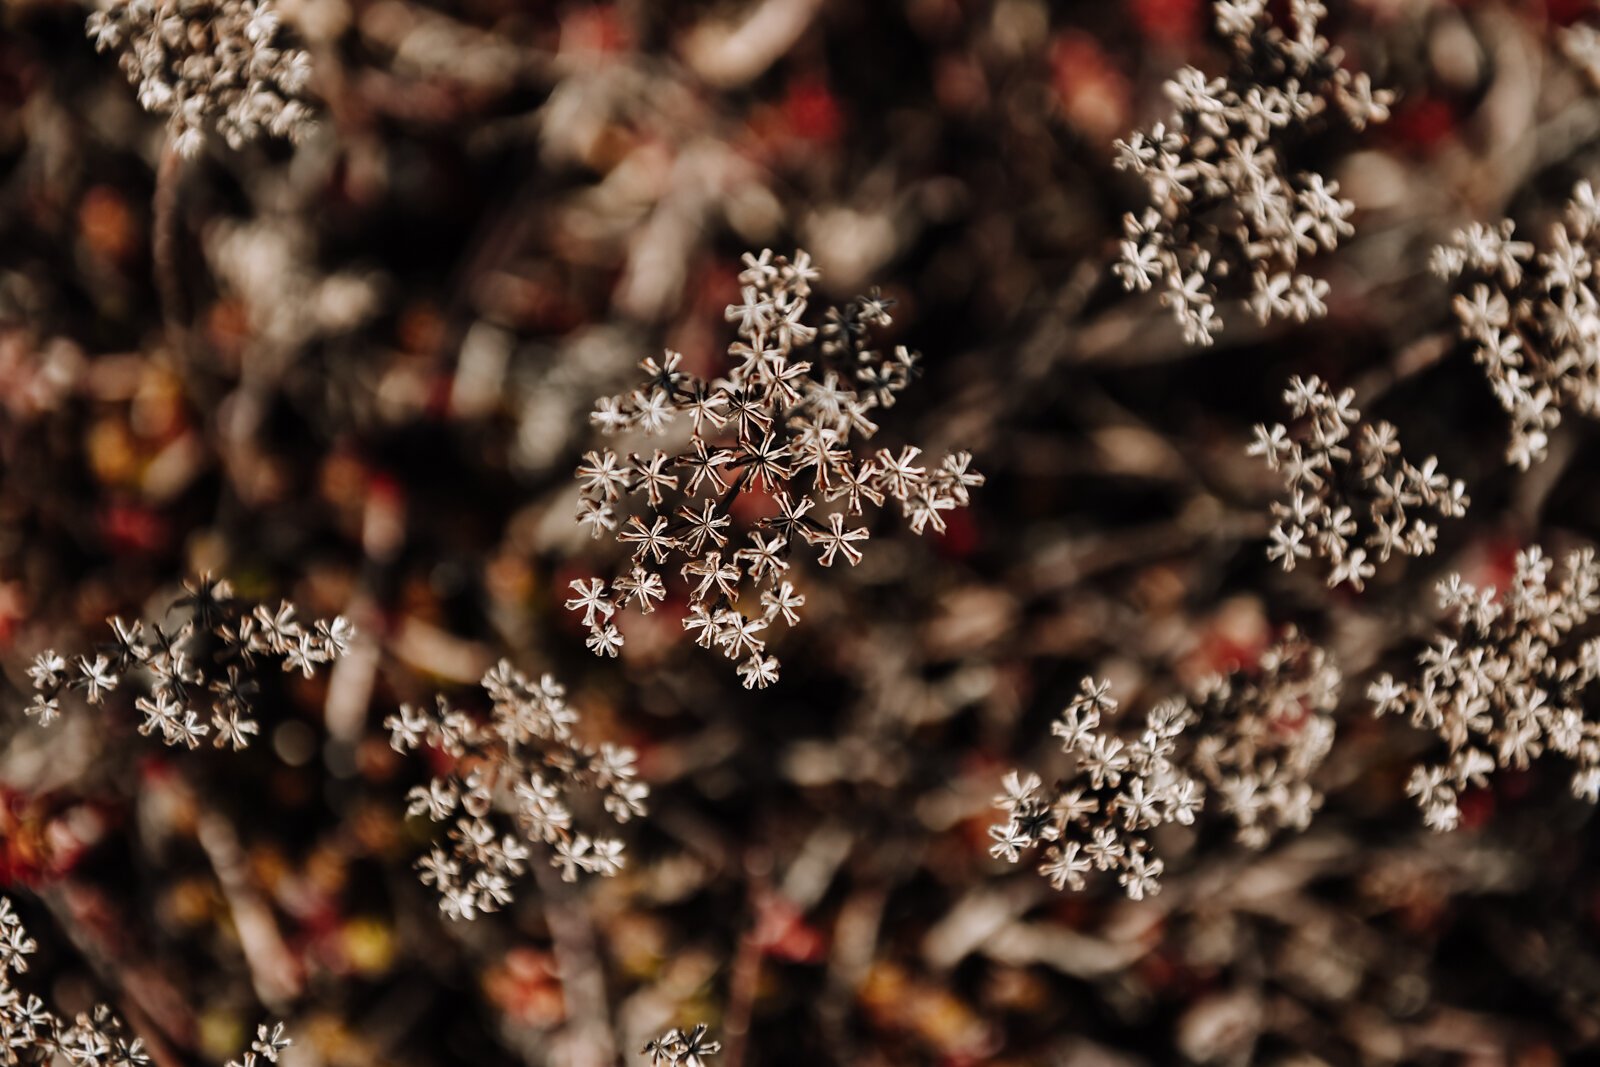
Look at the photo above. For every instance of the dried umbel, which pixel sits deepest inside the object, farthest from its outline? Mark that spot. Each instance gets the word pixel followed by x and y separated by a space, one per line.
pixel 207 663
pixel 678 1049
pixel 208 62
pixel 1097 820
pixel 1226 219
pixel 1251 739
pixel 1262 733
pixel 1506 683
pixel 1533 320
pixel 521 766
pixel 1353 509
pixel 780 429
pixel 30 1033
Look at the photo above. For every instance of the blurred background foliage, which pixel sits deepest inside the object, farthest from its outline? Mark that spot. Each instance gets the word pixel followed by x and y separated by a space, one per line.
pixel 356 372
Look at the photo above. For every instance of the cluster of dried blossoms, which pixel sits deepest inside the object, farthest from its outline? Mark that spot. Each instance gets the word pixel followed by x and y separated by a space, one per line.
pixel 1354 509
pixel 208 658
pixel 522 765
pixel 678 1049
pixel 1506 685
pixel 1252 738
pixel 1261 734
pixel 1118 792
pixel 1223 206
pixel 30 1033
pixel 779 427
pixel 1533 321
pixel 208 61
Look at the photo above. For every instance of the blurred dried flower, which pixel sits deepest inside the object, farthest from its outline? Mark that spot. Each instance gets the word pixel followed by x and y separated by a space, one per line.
pixel 1262 733
pixel 1254 738
pixel 1222 203
pixel 212 655
pixel 1506 684
pixel 1350 509
pixel 1119 791
pixel 678 1049
pixel 208 61
pixel 523 763
pixel 1580 43
pixel 1534 329
pixel 778 425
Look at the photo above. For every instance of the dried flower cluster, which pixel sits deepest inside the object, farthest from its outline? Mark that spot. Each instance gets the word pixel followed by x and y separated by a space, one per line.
pixel 524 764
pixel 208 61
pixel 30 1033
pixel 1354 509
pixel 1506 685
pixel 678 1049
pixel 208 658
pixel 1118 792
pixel 778 428
pixel 1223 206
pixel 1252 738
pixel 1261 734
pixel 1533 321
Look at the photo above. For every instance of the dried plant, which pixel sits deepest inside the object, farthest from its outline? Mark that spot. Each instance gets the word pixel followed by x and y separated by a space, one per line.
pixel 30 1033
pixel 678 1049
pixel 204 62
pixel 1119 791
pixel 524 766
pixel 1253 738
pixel 778 427
pixel 1223 205
pixel 1505 683
pixel 1533 322
pixel 1261 735
pixel 1352 509
pixel 212 656
pixel 1580 43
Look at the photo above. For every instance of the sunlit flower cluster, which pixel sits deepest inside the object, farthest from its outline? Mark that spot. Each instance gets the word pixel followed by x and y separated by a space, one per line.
pixel 521 766
pixel 1098 819
pixel 1532 318
pixel 204 62
pixel 1247 744
pixel 1226 218
pixel 778 431
pixel 1505 683
pixel 201 674
pixel 1354 509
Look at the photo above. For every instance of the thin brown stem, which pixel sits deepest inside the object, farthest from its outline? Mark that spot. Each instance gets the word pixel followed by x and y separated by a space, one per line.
pixel 591 1043
pixel 164 245
pixel 274 972
pixel 167 270
pixel 746 968
pixel 144 997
